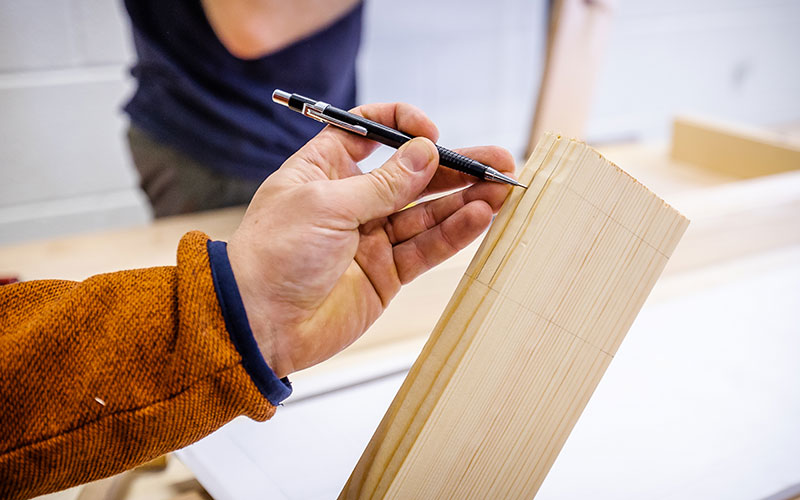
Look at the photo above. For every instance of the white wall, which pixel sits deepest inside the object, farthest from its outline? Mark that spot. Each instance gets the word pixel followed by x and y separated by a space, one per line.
pixel 63 77
pixel 734 59
pixel 64 165
pixel 472 65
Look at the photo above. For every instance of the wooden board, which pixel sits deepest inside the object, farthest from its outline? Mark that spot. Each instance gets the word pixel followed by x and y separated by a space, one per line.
pixel 733 150
pixel 738 220
pixel 79 256
pixel 576 41
pixel 527 335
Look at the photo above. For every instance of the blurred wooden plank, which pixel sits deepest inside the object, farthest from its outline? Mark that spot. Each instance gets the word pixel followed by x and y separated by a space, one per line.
pixel 155 465
pixel 110 488
pixel 192 495
pixel 527 335
pixel 577 39
pixel 737 220
pixel 80 256
pixel 790 493
pixel 652 165
pixel 732 149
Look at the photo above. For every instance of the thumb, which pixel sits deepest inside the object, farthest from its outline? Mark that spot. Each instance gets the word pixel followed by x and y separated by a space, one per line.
pixel 394 185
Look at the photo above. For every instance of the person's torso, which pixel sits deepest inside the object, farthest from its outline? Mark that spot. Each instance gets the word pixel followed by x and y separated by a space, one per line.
pixel 197 97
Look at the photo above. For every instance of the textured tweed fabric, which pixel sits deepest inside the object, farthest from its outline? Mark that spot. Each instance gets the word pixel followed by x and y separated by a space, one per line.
pixel 99 376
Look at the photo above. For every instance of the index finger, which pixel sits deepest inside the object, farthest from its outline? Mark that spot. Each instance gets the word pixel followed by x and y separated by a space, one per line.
pixel 402 116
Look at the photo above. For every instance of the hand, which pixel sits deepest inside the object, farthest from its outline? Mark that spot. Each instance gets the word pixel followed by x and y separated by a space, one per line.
pixel 323 248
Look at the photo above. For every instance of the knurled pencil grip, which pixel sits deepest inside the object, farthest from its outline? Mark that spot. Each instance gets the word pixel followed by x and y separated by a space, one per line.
pixel 459 162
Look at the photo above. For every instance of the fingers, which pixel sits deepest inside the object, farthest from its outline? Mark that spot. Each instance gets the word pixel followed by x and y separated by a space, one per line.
pixel 429 248
pixel 447 179
pixel 408 223
pixel 399 181
pixel 401 116
pixel 336 152
pixel 376 259
pixel 427 234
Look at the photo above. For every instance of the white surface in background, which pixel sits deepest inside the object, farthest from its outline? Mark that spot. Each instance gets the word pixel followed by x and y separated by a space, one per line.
pixel 472 65
pixel 702 401
pixel 64 164
pixel 306 451
pixel 733 59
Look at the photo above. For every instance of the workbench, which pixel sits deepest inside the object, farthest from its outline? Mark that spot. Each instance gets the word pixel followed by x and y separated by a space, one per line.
pixel 717 420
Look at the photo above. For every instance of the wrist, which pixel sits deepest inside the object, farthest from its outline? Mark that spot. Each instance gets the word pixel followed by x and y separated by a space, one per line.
pixel 265 334
pixel 256 307
pixel 259 358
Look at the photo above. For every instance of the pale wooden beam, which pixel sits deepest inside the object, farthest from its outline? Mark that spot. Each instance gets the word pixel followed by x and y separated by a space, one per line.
pixel 733 149
pixel 528 333
pixel 576 42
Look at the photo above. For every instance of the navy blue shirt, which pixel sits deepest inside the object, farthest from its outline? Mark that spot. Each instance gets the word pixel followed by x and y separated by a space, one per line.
pixel 197 97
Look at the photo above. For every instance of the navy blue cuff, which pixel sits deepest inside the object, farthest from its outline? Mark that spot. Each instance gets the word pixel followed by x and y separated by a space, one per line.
pixel 273 388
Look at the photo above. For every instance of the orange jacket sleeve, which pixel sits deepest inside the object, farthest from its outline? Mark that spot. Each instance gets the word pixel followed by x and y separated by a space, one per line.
pixel 99 376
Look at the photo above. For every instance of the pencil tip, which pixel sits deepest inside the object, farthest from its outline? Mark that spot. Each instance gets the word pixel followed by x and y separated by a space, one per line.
pixel 494 175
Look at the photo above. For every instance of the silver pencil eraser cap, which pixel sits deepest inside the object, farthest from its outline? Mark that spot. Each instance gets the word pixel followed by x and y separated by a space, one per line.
pixel 281 97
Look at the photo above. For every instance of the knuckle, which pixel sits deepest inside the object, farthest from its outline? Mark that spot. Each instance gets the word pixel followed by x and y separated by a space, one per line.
pixel 314 194
pixel 450 245
pixel 428 218
pixel 385 183
pixel 316 201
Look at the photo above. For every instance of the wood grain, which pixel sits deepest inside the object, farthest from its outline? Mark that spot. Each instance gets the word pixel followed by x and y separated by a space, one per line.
pixel 528 333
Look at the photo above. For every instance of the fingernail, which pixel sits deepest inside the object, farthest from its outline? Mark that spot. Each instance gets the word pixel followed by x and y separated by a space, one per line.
pixel 415 155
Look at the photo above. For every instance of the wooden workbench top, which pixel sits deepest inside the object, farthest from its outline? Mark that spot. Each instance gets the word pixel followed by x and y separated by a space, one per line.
pixel 730 219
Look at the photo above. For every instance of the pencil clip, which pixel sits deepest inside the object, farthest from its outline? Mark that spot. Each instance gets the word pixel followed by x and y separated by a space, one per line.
pixel 315 112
